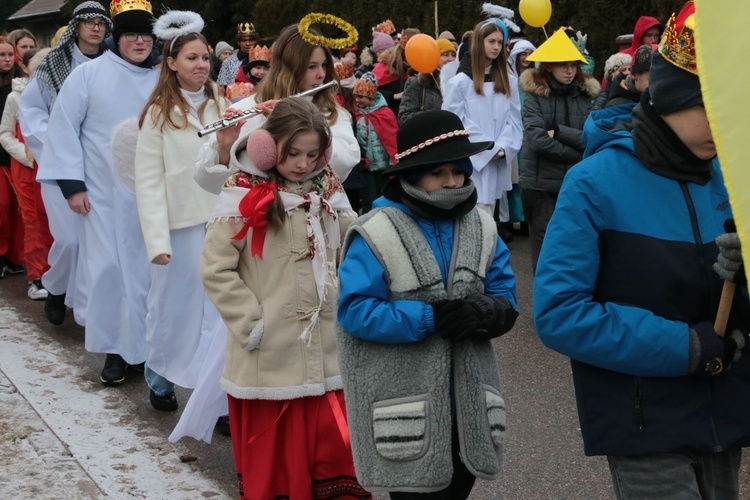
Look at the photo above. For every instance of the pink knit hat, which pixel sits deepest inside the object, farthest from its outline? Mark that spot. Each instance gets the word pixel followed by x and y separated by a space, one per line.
pixel 381 41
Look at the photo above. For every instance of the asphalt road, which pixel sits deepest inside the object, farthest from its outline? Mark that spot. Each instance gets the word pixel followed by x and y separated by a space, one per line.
pixel 543 455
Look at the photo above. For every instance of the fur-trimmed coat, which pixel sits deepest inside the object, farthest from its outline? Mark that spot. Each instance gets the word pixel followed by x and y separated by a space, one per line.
pixel 267 302
pixel 549 105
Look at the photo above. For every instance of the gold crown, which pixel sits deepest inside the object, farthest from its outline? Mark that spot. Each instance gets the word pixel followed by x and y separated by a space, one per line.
pixel 677 44
pixel 245 29
pixel 259 53
pixel 386 27
pixel 120 6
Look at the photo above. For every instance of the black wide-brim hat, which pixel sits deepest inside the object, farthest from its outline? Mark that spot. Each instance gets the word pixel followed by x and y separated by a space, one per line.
pixel 433 138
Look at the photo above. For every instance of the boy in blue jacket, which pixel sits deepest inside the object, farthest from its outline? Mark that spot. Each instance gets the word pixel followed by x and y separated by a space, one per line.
pixel 625 288
pixel 425 285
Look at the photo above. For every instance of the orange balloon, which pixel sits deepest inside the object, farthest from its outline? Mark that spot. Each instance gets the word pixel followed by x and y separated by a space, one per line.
pixel 422 53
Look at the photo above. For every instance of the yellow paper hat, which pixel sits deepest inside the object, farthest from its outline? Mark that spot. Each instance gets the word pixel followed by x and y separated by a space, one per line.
pixel 558 48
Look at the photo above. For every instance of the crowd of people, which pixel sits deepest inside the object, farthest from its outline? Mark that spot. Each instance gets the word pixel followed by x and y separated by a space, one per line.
pixel 328 269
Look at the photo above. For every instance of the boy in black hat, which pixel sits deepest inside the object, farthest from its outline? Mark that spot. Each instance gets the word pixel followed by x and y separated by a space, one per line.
pixel 425 284
pixel 625 288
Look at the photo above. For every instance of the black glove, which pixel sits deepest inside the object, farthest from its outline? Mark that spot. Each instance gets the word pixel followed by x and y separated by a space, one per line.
pixel 456 319
pixel 711 354
pixel 497 312
pixel 729 264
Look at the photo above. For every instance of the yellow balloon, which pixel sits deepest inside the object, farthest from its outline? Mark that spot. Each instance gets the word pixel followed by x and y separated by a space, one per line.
pixel 535 13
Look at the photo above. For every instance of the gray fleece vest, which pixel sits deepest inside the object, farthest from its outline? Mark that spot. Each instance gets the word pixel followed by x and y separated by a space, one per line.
pixel 398 397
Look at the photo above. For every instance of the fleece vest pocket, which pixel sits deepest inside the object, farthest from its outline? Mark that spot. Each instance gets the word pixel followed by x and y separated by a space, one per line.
pixel 401 427
pixel 495 415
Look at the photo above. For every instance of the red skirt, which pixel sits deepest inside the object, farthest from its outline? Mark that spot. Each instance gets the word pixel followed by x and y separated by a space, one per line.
pixel 297 449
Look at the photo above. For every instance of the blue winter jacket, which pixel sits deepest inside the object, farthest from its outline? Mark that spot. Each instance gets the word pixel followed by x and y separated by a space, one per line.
pixel 624 270
pixel 364 309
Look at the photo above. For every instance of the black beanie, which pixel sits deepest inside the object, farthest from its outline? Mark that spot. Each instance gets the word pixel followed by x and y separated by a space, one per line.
pixel 132 21
pixel 672 89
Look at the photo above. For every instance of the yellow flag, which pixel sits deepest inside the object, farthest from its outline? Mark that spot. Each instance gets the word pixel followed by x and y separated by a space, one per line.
pixel 722 39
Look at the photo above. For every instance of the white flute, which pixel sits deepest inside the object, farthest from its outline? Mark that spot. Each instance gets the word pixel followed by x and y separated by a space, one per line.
pixel 228 122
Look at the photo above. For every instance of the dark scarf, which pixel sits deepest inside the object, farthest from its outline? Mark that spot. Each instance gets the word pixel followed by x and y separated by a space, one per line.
pixel 464 66
pixel 440 204
pixel 661 151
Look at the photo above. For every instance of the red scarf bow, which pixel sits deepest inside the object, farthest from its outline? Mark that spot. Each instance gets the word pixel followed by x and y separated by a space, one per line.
pixel 253 207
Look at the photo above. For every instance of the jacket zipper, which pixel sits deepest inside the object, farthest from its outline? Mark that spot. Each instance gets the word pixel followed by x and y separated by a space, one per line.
pixel 637 412
pixel 443 260
pixel 704 299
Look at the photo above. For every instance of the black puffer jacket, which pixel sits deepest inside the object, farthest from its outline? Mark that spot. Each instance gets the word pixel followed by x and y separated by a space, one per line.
pixel 552 106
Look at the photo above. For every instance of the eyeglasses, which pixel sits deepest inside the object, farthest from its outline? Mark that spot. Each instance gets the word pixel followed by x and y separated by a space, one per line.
pixel 91 24
pixel 132 37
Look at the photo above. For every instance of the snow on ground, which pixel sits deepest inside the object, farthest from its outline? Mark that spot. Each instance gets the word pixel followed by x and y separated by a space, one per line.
pixel 64 436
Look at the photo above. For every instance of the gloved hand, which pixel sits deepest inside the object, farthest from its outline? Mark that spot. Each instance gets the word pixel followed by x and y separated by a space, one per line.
pixel 729 265
pixel 497 312
pixel 711 354
pixel 456 319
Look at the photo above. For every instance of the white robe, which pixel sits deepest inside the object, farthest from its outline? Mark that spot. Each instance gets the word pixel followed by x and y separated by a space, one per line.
pixel 173 212
pixel 65 275
pixel 489 117
pixel 92 102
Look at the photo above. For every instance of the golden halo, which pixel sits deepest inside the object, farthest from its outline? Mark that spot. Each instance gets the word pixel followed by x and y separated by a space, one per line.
pixel 332 43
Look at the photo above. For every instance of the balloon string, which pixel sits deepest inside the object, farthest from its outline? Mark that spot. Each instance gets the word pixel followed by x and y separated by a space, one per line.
pixel 545 33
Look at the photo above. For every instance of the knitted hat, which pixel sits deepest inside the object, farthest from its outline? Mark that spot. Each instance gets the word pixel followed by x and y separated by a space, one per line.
pixel 613 63
pixel 447 35
pixel 131 16
pixel 673 82
pixel 367 86
pixel 558 48
pixel 433 138
pixel 672 89
pixel 222 47
pixel 642 59
pixel 381 41
pixel 445 46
